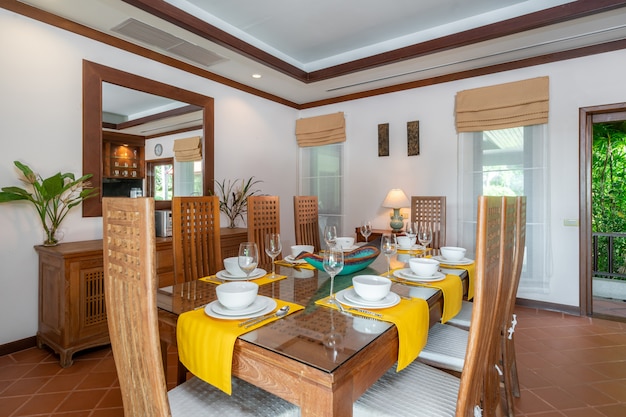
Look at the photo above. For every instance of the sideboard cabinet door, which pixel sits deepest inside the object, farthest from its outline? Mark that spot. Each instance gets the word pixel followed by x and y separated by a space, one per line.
pixel 72 314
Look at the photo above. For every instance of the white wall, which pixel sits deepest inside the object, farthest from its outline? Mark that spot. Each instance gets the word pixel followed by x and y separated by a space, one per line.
pixel 41 125
pixel 575 83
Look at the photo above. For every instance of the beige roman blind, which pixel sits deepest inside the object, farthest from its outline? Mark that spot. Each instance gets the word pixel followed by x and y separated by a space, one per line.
pixel 502 106
pixel 188 149
pixel 321 130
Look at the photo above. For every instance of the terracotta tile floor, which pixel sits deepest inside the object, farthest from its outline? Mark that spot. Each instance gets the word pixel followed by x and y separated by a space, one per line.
pixel 569 367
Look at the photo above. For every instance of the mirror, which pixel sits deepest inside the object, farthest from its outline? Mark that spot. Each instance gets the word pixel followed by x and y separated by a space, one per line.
pixel 94 75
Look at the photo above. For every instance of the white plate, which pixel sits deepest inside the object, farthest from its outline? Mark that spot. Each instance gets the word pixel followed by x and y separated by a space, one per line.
pixel 262 305
pixel 409 275
pixel 290 258
pixel 443 260
pixel 225 275
pixel 350 298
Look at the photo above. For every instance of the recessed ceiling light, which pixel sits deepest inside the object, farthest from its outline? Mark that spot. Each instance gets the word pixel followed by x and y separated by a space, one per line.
pixel 256 75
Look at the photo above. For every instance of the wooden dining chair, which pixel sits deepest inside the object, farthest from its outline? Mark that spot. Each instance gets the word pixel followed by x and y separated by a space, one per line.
pixel 422 390
pixel 130 297
pixel 509 361
pixel 196 237
pixel 431 209
pixel 512 278
pixel 263 218
pixel 305 216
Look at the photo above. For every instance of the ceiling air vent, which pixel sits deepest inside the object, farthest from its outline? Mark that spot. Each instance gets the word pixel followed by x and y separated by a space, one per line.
pixel 150 35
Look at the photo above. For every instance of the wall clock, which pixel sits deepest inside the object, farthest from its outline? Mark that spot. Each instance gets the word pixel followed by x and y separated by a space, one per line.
pixel 158 149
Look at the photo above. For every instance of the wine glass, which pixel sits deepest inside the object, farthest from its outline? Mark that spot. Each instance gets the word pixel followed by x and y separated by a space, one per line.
pixel 411 231
pixel 389 247
pixel 333 341
pixel 425 234
pixel 273 248
pixel 330 236
pixel 248 257
pixel 366 230
pixel 333 264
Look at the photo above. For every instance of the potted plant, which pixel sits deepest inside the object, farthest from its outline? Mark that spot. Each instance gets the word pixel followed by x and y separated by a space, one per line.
pixel 52 197
pixel 233 196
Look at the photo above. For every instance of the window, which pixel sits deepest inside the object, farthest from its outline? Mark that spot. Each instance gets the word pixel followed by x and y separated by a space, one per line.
pixel 508 162
pixel 161 179
pixel 321 174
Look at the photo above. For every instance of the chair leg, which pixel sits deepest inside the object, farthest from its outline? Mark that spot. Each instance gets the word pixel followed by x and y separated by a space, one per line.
pixel 510 377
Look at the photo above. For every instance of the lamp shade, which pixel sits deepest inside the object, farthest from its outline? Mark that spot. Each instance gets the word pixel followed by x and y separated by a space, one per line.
pixel 396 199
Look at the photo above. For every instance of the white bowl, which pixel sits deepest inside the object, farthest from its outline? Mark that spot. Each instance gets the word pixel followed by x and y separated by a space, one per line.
pixel 423 267
pixel 371 287
pixel 452 253
pixel 237 295
pixel 345 242
pixel 232 266
pixel 298 249
pixel 405 242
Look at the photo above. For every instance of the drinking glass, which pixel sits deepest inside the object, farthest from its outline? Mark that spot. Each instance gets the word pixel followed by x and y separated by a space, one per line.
pixel 330 236
pixel 248 257
pixel 425 234
pixel 333 264
pixel 411 231
pixel 389 247
pixel 273 248
pixel 366 230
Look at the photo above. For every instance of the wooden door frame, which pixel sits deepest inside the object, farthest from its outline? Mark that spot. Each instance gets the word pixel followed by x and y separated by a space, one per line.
pixel 587 117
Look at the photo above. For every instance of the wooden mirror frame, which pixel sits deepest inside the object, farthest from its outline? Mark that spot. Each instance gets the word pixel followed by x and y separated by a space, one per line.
pixel 93 76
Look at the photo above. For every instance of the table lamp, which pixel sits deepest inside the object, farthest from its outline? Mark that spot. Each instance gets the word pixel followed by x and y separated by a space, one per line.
pixel 396 199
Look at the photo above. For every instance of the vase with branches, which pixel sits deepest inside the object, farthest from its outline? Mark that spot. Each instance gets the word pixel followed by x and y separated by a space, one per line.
pixel 52 197
pixel 233 196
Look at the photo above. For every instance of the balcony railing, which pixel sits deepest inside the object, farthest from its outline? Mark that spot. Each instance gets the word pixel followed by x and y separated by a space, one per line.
pixel 607 262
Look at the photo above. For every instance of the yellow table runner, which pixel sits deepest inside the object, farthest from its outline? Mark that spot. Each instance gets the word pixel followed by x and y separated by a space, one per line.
pixel 471 273
pixel 452 290
pixel 265 279
pixel 410 318
pixel 205 344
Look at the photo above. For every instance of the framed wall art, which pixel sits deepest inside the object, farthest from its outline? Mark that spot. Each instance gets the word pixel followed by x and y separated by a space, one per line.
pixel 413 137
pixel 383 139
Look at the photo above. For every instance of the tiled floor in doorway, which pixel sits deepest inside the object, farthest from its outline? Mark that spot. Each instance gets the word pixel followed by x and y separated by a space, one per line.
pixel 569 367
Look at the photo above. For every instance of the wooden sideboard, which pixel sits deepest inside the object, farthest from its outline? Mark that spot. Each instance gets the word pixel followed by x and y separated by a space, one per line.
pixel 72 313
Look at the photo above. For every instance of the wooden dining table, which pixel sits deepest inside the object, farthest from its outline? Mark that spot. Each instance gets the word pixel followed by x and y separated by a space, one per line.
pixel 293 357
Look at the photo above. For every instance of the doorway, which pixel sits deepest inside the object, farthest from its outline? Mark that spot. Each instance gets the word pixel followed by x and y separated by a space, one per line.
pixel 590 304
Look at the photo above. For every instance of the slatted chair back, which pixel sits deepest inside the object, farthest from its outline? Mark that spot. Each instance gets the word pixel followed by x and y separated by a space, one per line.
pixel 431 209
pixel 509 362
pixel 305 216
pixel 196 237
pixel 130 296
pixel 263 218
pixel 479 371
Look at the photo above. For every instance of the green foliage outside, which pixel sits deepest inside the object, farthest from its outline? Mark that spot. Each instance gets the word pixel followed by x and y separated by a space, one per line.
pixel 609 191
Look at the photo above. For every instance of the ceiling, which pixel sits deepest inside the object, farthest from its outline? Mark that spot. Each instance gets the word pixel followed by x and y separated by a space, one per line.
pixel 311 52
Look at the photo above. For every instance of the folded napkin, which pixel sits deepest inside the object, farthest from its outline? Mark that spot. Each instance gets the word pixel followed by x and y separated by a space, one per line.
pixel 205 344
pixel 471 273
pixel 265 279
pixel 410 318
pixel 304 265
pixel 452 290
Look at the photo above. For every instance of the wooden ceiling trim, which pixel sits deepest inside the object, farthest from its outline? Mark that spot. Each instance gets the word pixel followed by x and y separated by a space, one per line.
pixel 65 24
pixel 207 31
pixel 507 66
pixel 542 18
